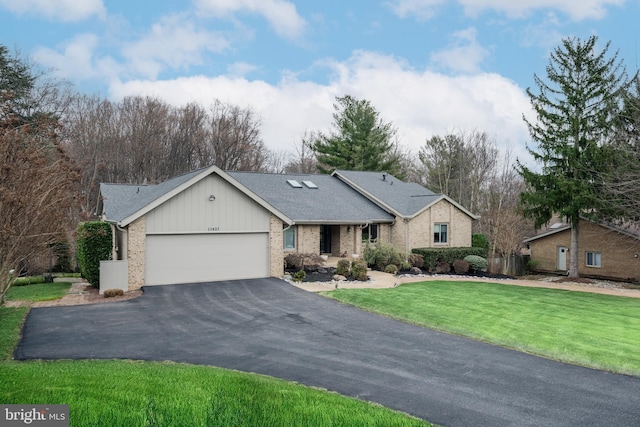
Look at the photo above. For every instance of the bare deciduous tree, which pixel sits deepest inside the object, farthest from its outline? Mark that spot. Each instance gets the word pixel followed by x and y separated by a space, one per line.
pixel 143 139
pixel 37 195
pixel 501 218
pixel 234 141
pixel 304 159
pixel 459 165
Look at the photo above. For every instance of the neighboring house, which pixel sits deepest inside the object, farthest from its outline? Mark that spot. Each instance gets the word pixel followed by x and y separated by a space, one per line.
pixel 606 251
pixel 212 225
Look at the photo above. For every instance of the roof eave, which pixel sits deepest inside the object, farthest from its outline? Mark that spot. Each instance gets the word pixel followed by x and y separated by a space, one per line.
pixel 341 222
pixel 547 233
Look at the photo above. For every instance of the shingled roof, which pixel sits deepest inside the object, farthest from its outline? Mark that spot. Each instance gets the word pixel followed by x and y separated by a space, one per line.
pixel 405 199
pixel 123 203
pixel 331 201
pixel 123 200
pixel 343 197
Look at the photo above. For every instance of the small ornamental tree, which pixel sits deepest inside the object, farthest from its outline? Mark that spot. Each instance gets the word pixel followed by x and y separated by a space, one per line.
pixel 94 245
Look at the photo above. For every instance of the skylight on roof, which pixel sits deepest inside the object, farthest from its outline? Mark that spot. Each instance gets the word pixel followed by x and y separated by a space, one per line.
pixel 294 183
pixel 556 225
pixel 309 184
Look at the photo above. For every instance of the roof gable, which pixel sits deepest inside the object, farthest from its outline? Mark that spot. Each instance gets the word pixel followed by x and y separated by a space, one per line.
pixel 629 229
pixel 124 203
pixel 405 199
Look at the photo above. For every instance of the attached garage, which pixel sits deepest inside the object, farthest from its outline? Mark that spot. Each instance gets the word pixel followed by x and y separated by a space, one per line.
pixel 192 258
pixel 203 226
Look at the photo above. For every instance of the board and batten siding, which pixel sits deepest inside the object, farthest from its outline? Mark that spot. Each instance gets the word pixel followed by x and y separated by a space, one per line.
pixel 192 212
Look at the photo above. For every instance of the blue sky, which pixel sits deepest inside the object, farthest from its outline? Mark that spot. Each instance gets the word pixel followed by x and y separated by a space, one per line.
pixel 428 66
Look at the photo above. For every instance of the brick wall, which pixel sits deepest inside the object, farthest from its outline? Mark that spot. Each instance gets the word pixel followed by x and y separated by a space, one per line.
pixel 276 247
pixel 136 252
pixel 308 239
pixel 418 232
pixel 620 254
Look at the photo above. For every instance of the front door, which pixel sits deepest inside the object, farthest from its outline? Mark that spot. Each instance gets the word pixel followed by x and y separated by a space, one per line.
pixel 562 258
pixel 325 239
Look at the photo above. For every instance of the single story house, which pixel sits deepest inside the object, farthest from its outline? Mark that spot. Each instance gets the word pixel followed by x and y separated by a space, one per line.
pixel 606 251
pixel 210 225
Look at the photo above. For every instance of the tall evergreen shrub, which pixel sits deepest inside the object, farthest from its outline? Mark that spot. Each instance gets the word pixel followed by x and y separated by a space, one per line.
pixel 94 245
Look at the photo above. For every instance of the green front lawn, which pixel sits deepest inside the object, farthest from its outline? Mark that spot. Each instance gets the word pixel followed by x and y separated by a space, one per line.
pixel 594 330
pixel 38 292
pixel 132 393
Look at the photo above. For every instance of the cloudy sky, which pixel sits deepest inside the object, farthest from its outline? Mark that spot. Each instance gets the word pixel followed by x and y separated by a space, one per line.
pixel 428 66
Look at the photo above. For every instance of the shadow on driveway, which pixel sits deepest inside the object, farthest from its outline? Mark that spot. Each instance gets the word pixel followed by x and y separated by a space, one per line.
pixel 269 327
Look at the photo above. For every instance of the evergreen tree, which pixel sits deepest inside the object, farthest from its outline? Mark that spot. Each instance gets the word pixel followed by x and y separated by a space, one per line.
pixel 360 141
pixel 575 112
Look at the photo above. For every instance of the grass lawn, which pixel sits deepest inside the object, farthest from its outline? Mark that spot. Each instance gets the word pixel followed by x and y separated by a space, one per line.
pixel 38 292
pixel 132 393
pixel 599 331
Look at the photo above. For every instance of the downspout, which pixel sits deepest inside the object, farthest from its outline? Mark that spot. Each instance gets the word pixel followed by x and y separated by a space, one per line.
pixel 406 235
pixel 125 255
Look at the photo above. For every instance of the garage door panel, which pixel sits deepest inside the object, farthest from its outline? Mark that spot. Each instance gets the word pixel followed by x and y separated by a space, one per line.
pixel 192 258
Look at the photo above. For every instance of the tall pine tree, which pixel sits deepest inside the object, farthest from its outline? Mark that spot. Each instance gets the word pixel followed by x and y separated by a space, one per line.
pixel 360 141
pixel 575 110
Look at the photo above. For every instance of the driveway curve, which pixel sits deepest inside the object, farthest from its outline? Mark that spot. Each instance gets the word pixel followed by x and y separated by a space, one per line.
pixel 269 327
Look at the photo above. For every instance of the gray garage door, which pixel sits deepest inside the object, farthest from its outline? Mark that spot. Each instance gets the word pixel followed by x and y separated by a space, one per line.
pixel 191 258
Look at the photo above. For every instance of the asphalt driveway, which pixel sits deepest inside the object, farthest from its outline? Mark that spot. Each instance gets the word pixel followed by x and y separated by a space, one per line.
pixel 270 327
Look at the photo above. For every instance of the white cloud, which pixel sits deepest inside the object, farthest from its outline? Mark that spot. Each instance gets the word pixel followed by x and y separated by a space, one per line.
pixel 174 42
pixel 281 15
pixel 464 55
pixel 544 34
pixel 420 103
pixel 576 9
pixel 240 69
pixel 422 9
pixel 78 60
pixel 58 10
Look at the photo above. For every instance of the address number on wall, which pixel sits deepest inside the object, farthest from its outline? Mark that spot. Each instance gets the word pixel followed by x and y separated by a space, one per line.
pixel 213 229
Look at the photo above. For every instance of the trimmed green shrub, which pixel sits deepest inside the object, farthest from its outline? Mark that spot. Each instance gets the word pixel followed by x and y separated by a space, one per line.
pixel 382 255
pixel 359 270
pixel 391 268
pixel 343 267
pixel 476 262
pixel 479 240
pixel 460 266
pixel 532 265
pixel 28 280
pixel 94 245
pixel 299 276
pixel 433 256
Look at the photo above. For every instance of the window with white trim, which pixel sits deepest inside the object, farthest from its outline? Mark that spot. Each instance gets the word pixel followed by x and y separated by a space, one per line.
pixel 440 233
pixel 290 238
pixel 370 233
pixel 594 259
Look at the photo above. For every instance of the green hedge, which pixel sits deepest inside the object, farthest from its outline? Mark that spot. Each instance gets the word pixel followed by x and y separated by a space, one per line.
pixel 94 245
pixel 479 240
pixel 433 256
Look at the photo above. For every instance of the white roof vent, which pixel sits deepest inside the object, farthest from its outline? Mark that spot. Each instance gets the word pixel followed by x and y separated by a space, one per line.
pixel 309 184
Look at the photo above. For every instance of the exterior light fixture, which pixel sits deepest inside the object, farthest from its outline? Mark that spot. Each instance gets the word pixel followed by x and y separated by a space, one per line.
pixel 212 198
